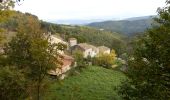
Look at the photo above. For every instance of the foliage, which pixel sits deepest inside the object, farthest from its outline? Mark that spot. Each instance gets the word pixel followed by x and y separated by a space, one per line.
pixel 12 84
pixel 12 80
pixel 105 60
pixel 80 61
pixel 94 83
pixel 149 70
pixel 32 52
pixel 5 13
pixel 6 5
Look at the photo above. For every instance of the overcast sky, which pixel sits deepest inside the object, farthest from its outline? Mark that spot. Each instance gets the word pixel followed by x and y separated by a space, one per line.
pixel 90 9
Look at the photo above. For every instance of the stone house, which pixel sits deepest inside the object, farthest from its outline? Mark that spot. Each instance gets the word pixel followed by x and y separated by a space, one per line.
pixel 67 62
pixel 57 39
pixel 87 49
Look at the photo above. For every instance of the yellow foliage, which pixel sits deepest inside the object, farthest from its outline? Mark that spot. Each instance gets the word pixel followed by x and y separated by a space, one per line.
pixel 113 54
pixel 105 59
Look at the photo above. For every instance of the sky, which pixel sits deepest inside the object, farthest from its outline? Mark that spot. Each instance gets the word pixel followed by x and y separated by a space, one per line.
pixel 89 9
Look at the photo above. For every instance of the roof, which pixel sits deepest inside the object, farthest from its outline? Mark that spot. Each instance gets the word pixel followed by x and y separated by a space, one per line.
pixel 66 62
pixel 72 39
pixel 86 46
pixel 103 48
pixel 57 39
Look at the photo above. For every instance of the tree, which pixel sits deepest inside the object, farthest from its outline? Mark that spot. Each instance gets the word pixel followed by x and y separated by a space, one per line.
pixel 12 84
pixel 5 13
pixel 78 55
pixel 32 53
pixel 12 81
pixel 105 60
pixel 149 69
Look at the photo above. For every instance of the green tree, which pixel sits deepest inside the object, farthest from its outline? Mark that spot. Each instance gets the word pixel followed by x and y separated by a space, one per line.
pixel 78 55
pixel 32 52
pixel 149 68
pixel 12 84
pixel 12 81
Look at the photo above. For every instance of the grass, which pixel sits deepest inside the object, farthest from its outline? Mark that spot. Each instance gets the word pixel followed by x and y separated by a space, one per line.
pixel 94 83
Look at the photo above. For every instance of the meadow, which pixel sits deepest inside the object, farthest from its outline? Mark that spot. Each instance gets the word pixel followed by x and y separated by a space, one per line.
pixel 93 83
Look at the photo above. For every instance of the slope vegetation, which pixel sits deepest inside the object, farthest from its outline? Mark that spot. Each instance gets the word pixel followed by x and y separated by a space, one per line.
pixel 94 83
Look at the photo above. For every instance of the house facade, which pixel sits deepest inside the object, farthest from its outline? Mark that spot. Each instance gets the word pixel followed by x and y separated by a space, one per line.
pixel 87 49
pixel 67 62
pixel 56 39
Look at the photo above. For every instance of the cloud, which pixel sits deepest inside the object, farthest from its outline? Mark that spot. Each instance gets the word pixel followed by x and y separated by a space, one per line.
pixel 89 9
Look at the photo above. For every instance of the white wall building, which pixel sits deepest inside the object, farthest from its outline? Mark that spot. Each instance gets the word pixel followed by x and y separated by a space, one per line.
pixel 55 39
pixel 87 49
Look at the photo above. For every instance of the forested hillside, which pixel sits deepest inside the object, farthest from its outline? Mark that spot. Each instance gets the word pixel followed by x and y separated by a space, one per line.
pixel 129 26
pixel 82 33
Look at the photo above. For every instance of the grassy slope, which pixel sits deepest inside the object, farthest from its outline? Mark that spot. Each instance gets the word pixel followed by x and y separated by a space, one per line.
pixel 94 83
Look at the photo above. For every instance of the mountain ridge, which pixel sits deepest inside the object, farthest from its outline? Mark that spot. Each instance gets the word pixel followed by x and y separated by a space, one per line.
pixel 88 21
pixel 128 26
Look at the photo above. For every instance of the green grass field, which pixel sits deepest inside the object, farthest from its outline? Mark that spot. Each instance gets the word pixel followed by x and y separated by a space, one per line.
pixel 93 83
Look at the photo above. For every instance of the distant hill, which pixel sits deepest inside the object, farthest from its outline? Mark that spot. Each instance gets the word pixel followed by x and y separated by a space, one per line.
pixel 128 26
pixel 140 18
pixel 74 22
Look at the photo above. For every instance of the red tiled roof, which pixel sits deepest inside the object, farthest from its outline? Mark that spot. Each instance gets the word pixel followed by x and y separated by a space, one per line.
pixel 67 60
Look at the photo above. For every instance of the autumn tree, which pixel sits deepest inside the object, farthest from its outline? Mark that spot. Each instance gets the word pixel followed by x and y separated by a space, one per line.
pixel 149 67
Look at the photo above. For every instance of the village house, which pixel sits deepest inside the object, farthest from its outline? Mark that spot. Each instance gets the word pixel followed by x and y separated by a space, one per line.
pixel 67 61
pixel 87 49
pixel 57 39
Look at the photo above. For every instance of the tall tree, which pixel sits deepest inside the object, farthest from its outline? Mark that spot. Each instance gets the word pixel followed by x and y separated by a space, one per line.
pixel 32 52
pixel 12 81
pixel 149 68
